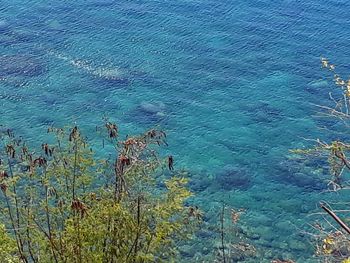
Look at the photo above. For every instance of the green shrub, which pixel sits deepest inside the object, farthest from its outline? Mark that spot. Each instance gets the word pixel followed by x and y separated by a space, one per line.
pixel 63 204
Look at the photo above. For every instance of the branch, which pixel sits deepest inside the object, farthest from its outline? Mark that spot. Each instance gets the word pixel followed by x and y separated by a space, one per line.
pixel 335 217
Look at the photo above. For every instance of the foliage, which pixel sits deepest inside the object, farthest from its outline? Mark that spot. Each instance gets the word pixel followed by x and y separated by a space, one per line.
pixel 332 241
pixel 63 204
pixel 335 244
pixel 336 151
pixel 7 247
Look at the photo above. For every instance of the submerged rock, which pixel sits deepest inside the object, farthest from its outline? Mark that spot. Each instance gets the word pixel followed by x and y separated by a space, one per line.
pixel 205 234
pixel 111 74
pixel 149 113
pixel 306 181
pixel 294 173
pixel 14 82
pixel 200 184
pixel 55 25
pixel 6 39
pixel 3 25
pixel 102 3
pixel 318 89
pixel 45 120
pixel 114 75
pixel 232 177
pixel 20 65
pixel 157 108
pixel 319 84
pixel 295 244
pixel 187 251
pixel 263 112
pixel 50 99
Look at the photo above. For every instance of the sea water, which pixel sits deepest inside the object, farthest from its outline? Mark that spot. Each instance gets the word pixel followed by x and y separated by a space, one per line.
pixel 232 83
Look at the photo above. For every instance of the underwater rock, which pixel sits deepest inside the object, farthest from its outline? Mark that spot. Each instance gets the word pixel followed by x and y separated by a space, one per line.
pixel 132 7
pixel 263 112
pixel 200 184
pixel 55 25
pixel 266 233
pixel 20 65
pixel 152 108
pixel 319 84
pixel 241 251
pixel 148 113
pixel 306 181
pixel 6 40
pixel 45 120
pixel 14 82
pixel 24 36
pixel 280 245
pixel 255 236
pixel 232 177
pixel 296 244
pixel 264 117
pixel 283 226
pixel 262 219
pixel 206 251
pixel 102 3
pixel 50 99
pixel 187 251
pixel 248 232
pixel 292 172
pixel 114 75
pixel 306 208
pixel 204 234
pixel 3 25
pixel 318 89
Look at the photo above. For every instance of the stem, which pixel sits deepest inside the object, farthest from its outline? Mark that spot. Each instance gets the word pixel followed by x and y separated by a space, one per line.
pixel 138 224
pixel 18 222
pixel 118 184
pixel 135 244
pixel 61 222
pixel 79 240
pixel 29 238
pixel 48 237
pixel 222 232
pixel 67 185
pixel 75 166
pixel 49 223
pixel 149 244
pixel 18 235
pixel 105 259
pixel 19 245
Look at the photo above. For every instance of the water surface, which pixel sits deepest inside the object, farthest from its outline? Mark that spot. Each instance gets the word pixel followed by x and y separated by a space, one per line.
pixel 231 82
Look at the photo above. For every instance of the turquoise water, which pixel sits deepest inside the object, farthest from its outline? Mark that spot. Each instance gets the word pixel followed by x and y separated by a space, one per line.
pixel 231 82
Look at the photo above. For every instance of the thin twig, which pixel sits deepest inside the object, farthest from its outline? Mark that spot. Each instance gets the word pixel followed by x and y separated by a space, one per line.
pixel 222 232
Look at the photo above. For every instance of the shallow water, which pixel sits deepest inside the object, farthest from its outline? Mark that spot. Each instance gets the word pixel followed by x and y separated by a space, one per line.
pixel 230 81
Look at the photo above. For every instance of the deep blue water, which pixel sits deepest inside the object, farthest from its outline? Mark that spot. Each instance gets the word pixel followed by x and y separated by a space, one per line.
pixel 231 82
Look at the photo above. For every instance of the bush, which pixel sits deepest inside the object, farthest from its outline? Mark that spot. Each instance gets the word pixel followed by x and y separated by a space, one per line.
pixel 63 204
pixel 332 241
